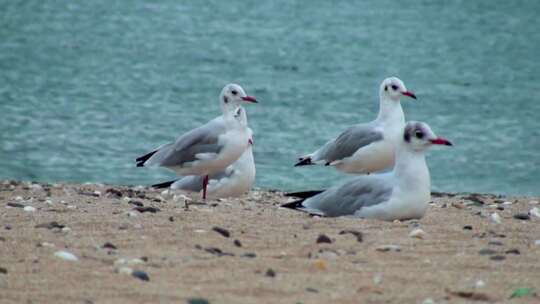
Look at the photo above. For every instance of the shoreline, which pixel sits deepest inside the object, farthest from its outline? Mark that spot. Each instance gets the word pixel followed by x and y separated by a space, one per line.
pixel 94 243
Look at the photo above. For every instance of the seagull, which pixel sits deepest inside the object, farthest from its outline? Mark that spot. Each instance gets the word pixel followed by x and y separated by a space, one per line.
pixel 209 148
pixel 234 181
pixel 368 147
pixel 401 194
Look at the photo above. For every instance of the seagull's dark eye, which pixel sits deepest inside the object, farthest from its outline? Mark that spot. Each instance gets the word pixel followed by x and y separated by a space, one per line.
pixel 234 92
pixel 394 87
pixel 419 134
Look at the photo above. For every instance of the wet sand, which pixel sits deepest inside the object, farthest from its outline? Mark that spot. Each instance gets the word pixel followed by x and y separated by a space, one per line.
pixel 248 250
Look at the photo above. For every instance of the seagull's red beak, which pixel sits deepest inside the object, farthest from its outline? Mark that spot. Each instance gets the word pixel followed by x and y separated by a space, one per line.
pixel 410 94
pixel 440 141
pixel 249 99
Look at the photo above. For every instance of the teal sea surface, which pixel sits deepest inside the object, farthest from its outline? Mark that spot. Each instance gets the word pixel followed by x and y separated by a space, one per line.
pixel 86 86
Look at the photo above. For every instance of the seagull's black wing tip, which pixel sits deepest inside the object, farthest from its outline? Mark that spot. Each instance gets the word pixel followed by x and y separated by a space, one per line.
pixel 304 162
pixel 142 159
pixel 163 185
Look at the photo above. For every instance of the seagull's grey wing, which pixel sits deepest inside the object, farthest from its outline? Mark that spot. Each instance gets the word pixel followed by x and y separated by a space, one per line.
pixel 190 147
pixel 362 191
pixel 348 142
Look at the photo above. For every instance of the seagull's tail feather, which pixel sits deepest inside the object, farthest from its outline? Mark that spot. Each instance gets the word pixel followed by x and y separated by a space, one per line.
pixel 296 205
pixel 142 159
pixel 164 185
pixel 304 161
pixel 304 194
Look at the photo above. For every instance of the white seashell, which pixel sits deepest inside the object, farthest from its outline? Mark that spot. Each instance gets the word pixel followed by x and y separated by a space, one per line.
pixel 495 217
pixel 418 233
pixel 535 211
pixel 65 255
pixel 29 209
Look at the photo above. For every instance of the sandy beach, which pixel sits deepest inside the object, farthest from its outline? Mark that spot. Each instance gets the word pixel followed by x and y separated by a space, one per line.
pixel 67 243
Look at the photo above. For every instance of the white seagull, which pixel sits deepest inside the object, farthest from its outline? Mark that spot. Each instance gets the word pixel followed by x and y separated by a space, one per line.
pixel 209 148
pixel 368 147
pixel 234 181
pixel 404 193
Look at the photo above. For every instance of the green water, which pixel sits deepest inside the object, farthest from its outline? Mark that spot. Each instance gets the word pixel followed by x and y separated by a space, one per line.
pixel 86 86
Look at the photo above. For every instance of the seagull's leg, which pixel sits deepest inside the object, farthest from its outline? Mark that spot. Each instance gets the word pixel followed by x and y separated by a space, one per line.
pixel 205 184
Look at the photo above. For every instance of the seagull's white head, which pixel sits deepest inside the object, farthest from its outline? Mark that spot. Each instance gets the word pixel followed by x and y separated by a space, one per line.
pixel 393 88
pixel 418 136
pixel 232 96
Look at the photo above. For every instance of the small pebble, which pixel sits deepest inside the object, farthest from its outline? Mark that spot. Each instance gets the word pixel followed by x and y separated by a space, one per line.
pixel 124 270
pixel 147 209
pixel 418 233
pixel 533 202
pixel 270 273
pixel 522 216
pixel 237 243
pixel 46 244
pixel 327 254
pixel 249 255
pixel 36 187
pixel 171 218
pixel 537 242
pixel 467 227
pixel 487 251
pixel 224 232
pixel 66 229
pixel 497 257
pixel 136 203
pixel 320 264
pixel 108 246
pixel 428 301
pixel 132 214
pixel 359 236
pixel 65 255
pixel 479 284
pixel 29 209
pixel 114 193
pixel 3 270
pixel 139 274
pixel 15 205
pixel 507 203
pixel 135 262
pixel 323 239
pixel 513 251
pixel 198 301
pixel 310 289
pixel 377 279
pixel 495 243
pixel 495 217
pixel 386 248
